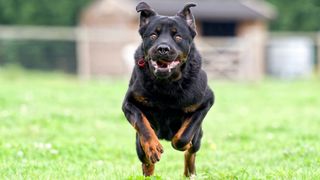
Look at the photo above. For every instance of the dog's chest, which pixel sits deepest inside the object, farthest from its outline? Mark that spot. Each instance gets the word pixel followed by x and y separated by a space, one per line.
pixel 182 101
pixel 166 122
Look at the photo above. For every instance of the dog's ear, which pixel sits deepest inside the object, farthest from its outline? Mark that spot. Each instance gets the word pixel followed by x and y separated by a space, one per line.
pixel 145 13
pixel 186 14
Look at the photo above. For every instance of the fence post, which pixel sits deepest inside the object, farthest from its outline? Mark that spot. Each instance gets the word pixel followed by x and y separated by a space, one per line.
pixel 83 53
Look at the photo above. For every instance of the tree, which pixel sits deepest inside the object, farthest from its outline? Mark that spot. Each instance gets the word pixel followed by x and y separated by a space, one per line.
pixel 297 15
pixel 41 12
pixel 46 55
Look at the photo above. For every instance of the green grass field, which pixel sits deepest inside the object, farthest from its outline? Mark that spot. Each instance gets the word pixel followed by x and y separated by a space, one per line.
pixel 53 126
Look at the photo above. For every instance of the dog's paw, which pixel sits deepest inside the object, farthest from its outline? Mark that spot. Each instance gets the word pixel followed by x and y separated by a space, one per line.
pixel 153 149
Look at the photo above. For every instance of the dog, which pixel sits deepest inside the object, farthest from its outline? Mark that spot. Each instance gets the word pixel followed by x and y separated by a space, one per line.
pixel 168 95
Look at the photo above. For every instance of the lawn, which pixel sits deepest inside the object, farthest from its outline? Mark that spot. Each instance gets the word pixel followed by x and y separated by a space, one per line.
pixel 53 126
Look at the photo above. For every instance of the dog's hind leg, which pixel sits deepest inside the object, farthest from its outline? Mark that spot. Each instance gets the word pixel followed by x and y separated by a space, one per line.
pixel 147 167
pixel 189 164
pixel 190 155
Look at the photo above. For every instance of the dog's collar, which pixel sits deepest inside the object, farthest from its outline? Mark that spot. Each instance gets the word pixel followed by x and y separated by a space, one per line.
pixel 141 62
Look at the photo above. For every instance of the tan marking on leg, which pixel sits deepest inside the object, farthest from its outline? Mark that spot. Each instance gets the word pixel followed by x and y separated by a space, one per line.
pixel 150 143
pixel 147 169
pixel 189 163
pixel 191 108
pixel 178 135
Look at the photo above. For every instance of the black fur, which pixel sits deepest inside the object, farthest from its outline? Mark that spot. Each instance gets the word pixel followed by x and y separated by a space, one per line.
pixel 167 98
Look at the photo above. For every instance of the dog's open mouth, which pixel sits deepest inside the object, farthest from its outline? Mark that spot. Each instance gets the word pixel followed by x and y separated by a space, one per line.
pixel 164 66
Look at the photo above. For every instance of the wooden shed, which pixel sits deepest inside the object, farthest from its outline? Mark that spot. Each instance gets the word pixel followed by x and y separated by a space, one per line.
pixel 231 36
pixel 105 30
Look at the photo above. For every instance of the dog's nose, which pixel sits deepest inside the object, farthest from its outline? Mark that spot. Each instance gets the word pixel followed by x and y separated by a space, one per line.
pixel 163 49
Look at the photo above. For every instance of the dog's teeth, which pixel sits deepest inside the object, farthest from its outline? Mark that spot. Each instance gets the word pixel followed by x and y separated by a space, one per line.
pixel 153 63
pixel 169 69
pixel 172 65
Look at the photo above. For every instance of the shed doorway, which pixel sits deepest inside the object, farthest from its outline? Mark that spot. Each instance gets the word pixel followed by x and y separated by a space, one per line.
pixel 220 29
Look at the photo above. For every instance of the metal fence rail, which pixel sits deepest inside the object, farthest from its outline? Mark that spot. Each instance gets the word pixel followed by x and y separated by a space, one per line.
pixel 65 33
pixel 50 48
pixel 81 49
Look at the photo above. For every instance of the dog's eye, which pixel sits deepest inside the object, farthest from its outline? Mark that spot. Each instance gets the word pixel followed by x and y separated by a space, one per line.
pixel 178 38
pixel 153 37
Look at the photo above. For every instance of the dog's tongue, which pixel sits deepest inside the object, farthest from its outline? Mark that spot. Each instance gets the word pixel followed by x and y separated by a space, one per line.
pixel 162 64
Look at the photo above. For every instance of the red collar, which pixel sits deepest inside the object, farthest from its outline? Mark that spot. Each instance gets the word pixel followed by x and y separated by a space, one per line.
pixel 141 62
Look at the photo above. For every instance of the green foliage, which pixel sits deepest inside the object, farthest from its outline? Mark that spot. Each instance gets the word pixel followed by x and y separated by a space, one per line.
pixel 55 127
pixel 41 54
pixel 45 55
pixel 297 15
pixel 41 12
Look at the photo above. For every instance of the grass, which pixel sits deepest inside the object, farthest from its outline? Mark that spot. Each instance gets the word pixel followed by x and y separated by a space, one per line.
pixel 53 126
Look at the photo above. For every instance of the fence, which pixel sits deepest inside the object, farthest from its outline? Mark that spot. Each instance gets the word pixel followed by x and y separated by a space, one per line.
pixel 47 48
pixel 95 51
pixel 225 58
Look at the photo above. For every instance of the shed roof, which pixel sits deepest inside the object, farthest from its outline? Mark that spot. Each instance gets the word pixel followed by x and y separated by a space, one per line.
pixel 218 9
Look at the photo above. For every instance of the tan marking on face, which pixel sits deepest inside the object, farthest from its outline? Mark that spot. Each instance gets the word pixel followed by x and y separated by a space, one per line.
pixel 174 30
pixel 183 57
pixel 191 108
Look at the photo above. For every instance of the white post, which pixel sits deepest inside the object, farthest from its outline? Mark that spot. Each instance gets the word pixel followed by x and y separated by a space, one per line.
pixel 83 53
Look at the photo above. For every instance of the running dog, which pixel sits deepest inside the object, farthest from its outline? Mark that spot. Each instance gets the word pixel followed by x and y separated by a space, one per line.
pixel 168 95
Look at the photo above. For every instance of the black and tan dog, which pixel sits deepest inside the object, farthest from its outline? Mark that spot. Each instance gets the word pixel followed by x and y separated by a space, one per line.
pixel 168 95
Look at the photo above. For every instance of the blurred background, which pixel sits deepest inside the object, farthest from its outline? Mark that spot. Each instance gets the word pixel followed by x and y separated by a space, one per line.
pixel 238 39
pixel 262 59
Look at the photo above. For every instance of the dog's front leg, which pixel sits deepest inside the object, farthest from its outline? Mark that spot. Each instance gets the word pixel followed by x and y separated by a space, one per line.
pixel 182 140
pixel 146 136
pixel 189 136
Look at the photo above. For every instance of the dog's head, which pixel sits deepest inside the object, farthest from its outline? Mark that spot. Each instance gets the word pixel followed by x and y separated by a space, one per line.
pixel 166 39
